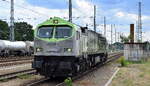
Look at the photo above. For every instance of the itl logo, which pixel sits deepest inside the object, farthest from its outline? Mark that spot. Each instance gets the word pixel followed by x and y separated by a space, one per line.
pixel 55 21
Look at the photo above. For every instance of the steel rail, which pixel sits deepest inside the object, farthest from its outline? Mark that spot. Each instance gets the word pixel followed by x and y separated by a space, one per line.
pixel 15 74
pixel 6 64
pixel 18 58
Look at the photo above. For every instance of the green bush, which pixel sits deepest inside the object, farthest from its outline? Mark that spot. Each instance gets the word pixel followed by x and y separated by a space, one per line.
pixel 24 76
pixel 123 62
pixel 3 80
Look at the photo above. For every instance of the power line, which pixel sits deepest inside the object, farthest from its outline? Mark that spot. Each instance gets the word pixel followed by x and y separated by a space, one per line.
pixel 27 9
pixel 16 13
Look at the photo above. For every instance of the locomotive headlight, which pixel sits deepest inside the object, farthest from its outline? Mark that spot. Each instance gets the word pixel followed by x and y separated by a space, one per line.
pixel 68 49
pixel 55 21
pixel 38 49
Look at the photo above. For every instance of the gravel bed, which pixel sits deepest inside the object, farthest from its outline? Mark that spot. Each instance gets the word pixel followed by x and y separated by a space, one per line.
pixel 19 81
pixel 14 68
pixel 98 77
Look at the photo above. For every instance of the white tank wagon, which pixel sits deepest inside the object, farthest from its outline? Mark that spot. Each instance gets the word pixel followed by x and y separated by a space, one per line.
pixel 4 47
pixel 30 43
pixel 17 45
pixel 29 47
pixel 15 48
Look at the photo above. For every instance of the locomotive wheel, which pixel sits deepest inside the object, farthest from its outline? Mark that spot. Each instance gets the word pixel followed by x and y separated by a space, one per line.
pixel 76 69
pixel 88 64
pixel 105 57
pixel 102 58
pixel 93 61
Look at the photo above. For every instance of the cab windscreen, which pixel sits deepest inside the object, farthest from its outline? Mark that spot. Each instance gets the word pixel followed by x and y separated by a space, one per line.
pixel 45 32
pixel 63 32
pixel 54 32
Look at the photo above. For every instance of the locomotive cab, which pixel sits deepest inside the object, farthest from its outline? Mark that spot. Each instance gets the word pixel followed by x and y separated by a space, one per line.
pixel 56 47
pixel 55 40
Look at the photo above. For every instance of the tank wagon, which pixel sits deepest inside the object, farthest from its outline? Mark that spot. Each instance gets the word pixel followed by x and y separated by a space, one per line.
pixel 63 49
pixel 16 48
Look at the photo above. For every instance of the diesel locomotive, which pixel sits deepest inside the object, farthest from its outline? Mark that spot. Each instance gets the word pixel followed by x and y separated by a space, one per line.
pixel 63 49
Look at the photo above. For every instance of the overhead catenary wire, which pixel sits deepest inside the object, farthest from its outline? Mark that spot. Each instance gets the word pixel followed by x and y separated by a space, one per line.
pixel 16 12
pixel 22 17
pixel 41 14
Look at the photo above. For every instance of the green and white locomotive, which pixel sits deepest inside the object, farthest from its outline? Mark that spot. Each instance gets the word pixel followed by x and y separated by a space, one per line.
pixel 65 49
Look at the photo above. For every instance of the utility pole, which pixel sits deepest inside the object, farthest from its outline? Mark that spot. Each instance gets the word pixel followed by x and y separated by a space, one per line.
pixel 104 26
pixel 12 21
pixel 111 34
pixel 136 31
pixel 139 28
pixel 70 10
pixel 115 33
pixel 118 37
pixel 95 18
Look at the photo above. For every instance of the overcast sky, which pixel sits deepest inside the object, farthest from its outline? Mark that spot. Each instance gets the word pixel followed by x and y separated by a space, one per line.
pixel 119 12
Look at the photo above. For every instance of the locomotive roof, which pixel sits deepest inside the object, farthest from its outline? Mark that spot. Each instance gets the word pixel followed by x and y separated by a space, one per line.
pixel 96 33
pixel 59 21
pixel 56 21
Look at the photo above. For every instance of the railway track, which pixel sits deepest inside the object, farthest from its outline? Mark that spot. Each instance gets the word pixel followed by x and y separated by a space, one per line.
pixel 10 61
pixel 16 58
pixel 112 57
pixel 45 81
pixel 6 64
pixel 15 74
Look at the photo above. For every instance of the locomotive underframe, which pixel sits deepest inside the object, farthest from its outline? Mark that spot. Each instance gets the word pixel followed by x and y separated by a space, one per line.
pixel 64 66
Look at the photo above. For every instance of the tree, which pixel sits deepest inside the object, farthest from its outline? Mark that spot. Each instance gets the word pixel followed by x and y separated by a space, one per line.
pixel 125 39
pixel 4 30
pixel 118 46
pixel 23 31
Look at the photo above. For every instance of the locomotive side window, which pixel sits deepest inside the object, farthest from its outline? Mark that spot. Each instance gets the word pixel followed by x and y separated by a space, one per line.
pixel 63 32
pixel 45 32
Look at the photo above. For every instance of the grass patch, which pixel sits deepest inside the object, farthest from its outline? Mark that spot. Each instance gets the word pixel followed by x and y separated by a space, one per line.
pixel 141 75
pixel 24 76
pixel 128 82
pixel 135 74
pixel 123 62
pixel 137 62
pixel 3 80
